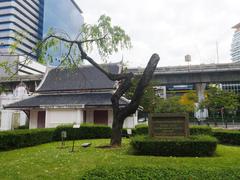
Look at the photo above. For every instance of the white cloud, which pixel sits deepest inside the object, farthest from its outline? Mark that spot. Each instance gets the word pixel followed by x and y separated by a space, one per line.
pixel 171 28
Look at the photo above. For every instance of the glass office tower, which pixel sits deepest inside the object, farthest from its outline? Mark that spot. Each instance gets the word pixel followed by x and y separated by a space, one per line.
pixel 235 49
pixel 33 18
pixel 21 18
pixel 65 17
pixel 62 16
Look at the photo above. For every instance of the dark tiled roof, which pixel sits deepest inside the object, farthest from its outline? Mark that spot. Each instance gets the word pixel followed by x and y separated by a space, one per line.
pixel 87 99
pixel 83 78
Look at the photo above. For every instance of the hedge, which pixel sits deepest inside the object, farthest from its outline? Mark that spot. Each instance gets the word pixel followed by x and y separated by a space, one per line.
pixel 190 146
pixel 160 173
pixel 31 137
pixel 227 136
pixel 142 129
pixel 24 138
pixel 86 131
pixel 200 130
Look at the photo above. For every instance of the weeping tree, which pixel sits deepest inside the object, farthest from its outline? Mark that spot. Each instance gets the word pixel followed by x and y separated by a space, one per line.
pixel 106 39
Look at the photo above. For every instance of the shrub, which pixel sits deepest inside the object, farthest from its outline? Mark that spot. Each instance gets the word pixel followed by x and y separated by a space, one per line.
pixel 180 146
pixel 142 129
pixel 124 132
pixel 23 127
pixel 200 130
pixel 86 131
pixel 227 136
pixel 24 138
pixel 150 172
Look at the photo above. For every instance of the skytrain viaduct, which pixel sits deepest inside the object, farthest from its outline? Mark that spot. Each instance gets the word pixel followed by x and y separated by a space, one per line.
pixel 199 75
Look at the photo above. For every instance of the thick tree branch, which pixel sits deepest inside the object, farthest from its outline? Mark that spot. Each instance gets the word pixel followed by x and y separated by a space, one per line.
pixel 92 40
pixel 69 52
pixel 59 38
pixel 144 81
pixel 72 41
pixel 113 77
pixel 123 87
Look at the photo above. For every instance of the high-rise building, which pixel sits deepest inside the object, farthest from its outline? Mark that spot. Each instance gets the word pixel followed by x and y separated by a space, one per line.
pixel 63 16
pixel 21 20
pixel 27 21
pixel 32 19
pixel 235 49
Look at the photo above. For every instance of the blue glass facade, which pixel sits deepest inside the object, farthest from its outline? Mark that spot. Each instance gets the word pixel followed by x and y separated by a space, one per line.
pixel 21 17
pixel 33 18
pixel 63 16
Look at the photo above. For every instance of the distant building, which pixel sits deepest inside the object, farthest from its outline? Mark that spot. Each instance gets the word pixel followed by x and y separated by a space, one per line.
pixel 235 49
pixel 233 87
pixel 235 53
pixel 28 21
pixel 21 18
pixel 161 91
pixel 15 89
pixel 62 15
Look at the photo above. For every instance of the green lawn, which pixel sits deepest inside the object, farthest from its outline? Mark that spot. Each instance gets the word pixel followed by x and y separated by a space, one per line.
pixel 48 161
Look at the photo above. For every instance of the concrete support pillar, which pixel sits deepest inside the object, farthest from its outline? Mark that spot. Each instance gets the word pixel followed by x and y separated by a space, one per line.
pixel 201 114
pixel 79 116
pixel 200 88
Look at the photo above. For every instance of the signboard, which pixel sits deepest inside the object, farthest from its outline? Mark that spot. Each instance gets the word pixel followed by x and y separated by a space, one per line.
pixel 168 125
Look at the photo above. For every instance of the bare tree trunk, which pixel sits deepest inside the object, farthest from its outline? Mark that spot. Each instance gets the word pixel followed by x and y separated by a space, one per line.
pixel 120 114
pixel 116 139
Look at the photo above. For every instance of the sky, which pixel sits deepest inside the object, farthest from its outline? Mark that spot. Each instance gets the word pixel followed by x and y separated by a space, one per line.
pixel 171 28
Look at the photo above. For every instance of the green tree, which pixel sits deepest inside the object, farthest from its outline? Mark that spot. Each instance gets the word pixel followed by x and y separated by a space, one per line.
pixel 188 100
pixel 149 100
pixel 171 105
pixel 106 39
pixel 218 99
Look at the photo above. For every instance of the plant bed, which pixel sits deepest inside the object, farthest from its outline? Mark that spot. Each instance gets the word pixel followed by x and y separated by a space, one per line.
pixel 227 136
pixel 193 146
pixel 200 130
pixel 142 129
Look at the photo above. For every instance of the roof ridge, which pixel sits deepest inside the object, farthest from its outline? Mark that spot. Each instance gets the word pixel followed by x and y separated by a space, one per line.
pixel 87 65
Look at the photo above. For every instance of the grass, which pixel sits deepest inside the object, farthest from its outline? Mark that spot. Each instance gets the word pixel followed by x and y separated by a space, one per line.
pixel 47 161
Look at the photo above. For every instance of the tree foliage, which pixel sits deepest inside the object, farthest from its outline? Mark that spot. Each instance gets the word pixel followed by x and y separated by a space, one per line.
pixel 107 39
pixel 101 37
pixel 217 99
pixel 114 39
pixel 170 105
pixel 188 100
pixel 176 104
pixel 149 100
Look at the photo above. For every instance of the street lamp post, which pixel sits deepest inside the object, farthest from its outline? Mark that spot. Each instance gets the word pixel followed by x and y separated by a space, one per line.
pixel 188 60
